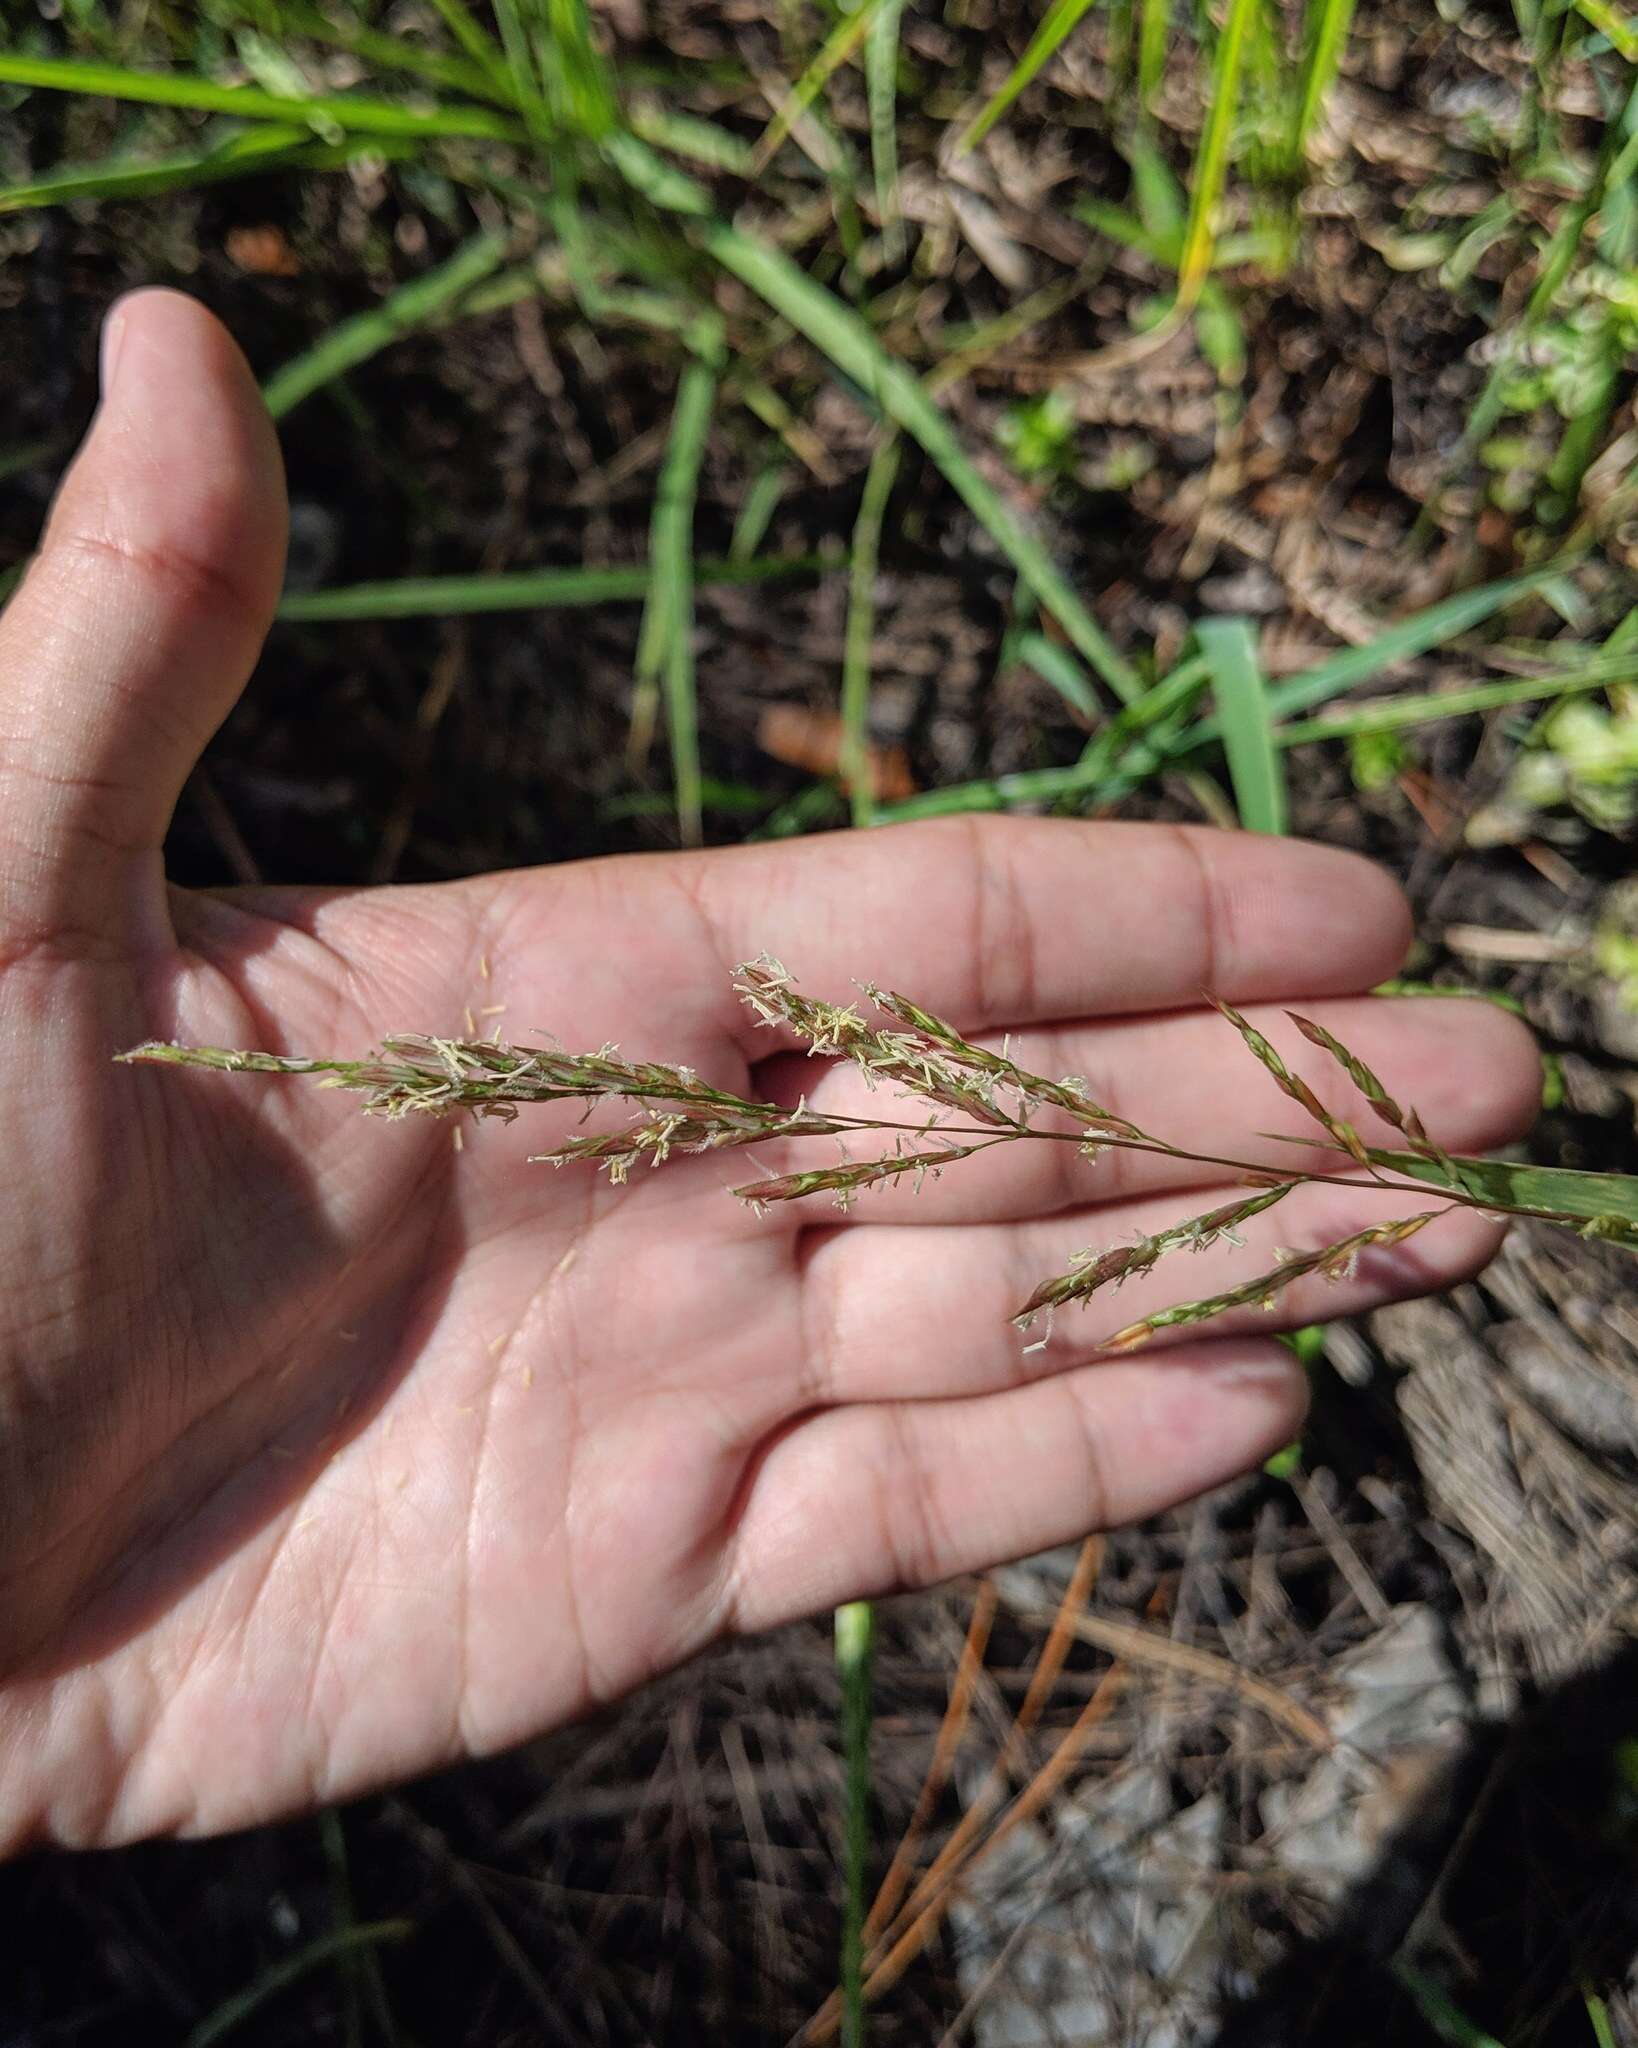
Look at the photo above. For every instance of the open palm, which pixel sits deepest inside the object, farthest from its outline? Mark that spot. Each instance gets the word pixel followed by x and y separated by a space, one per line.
pixel 331 1450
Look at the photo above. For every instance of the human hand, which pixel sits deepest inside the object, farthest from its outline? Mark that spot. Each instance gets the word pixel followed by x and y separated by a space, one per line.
pixel 329 1451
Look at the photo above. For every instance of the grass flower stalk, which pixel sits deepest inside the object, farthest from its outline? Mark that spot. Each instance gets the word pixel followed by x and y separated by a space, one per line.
pixel 958 1099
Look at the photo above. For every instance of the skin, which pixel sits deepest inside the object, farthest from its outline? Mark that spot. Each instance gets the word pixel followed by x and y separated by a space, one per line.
pixel 330 1451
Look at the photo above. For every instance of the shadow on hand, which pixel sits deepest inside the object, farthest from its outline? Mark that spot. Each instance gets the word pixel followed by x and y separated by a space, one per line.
pixel 244 1343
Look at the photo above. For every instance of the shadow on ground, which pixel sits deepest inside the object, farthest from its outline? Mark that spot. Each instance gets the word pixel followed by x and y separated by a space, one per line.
pixel 1512 1889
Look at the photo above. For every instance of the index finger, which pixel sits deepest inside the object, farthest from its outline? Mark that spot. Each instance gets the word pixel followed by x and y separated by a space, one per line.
pixel 1007 921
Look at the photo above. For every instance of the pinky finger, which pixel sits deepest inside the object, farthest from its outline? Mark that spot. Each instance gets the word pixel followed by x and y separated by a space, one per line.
pixel 859 1501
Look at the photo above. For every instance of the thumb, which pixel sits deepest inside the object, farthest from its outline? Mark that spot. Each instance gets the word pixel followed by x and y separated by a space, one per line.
pixel 135 628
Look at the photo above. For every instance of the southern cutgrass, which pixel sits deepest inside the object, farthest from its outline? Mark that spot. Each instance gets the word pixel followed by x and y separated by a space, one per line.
pixel 547 102
pixel 962 1099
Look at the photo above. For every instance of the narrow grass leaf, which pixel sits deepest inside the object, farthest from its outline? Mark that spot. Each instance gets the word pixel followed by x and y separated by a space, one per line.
pixel 1440 2010
pixel 472 78
pixel 855 1627
pixel 686 135
pixel 330 115
pixel 356 340
pixel 1402 641
pixel 1255 767
pixel 1154 29
pixel 1092 779
pixel 582 89
pixel 1055 664
pixel 882 97
pixel 259 150
pixel 1598 1199
pixel 1394 714
pixel 1326 37
pixel 838 333
pixel 854 757
pixel 1211 160
pixel 1161 203
pixel 521 71
pixel 1618 31
pixel 473 39
pixel 520 590
pixel 837 48
pixel 234 2011
pixel 756 511
pixel 1061 18
pixel 665 655
pixel 1598 2015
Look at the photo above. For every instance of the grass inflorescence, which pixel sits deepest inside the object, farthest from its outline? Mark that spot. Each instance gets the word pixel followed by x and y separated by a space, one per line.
pixel 960 1099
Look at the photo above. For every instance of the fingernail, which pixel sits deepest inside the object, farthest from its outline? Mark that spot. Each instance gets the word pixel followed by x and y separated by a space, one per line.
pixel 113 336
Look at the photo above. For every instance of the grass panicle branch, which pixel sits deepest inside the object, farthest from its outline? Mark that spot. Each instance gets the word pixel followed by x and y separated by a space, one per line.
pixel 1092 1270
pixel 1336 1261
pixel 966 1099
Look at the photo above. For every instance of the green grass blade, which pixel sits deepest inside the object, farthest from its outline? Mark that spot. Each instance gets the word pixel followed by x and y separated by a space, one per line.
pixel 473 79
pixel 1621 34
pixel 1211 160
pixel 756 512
pixel 1598 2017
pixel 1538 1190
pixel 1090 781
pixel 847 341
pixel 232 2012
pixel 666 644
pixel 686 135
pixel 1158 199
pixel 330 116
pixel 854 756
pixel 473 39
pixel 1057 666
pixel 1256 245
pixel 1327 28
pixel 1062 17
pixel 1407 638
pixel 1255 767
pixel 1395 714
pixel 1440 2010
pixel 1154 28
pixel 356 340
pixel 837 48
pixel 263 150
pixel 521 590
pixel 855 1632
pixel 582 92
pixel 260 149
pixel 838 333
pixel 882 96
pixel 521 72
